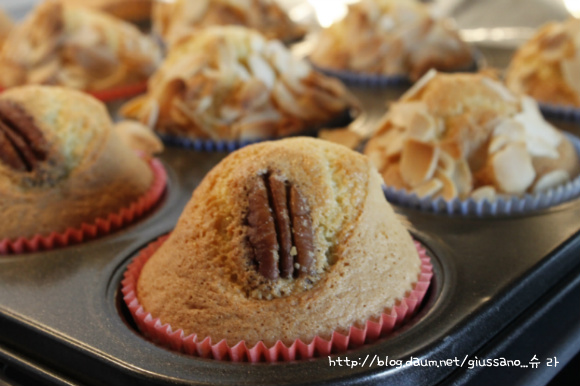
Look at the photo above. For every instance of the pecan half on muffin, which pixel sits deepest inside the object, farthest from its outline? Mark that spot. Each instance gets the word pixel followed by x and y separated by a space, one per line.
pixel 283 240
pixel 175 19
pixel 465 135
pixel 231 83
pixel 547 67
pixel 389 37
pixel 76 47
pixel 61 162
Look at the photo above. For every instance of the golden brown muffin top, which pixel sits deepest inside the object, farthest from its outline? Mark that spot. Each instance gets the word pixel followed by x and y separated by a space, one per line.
pixel 61 162
pixel 547 67
pixel 466 134
pixel 76 47
pixel 233 83
pixel 390 37
pixel 282 240
pixel 179 18
pixel 47 132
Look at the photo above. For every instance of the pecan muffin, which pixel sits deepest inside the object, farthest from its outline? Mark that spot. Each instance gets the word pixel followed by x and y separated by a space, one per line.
pixel 390 37
pixel 227 83
pixel 175 19
pixel 61 162
pixel 547 67
pixel 76 47
pixel 466 135
pixel 282 240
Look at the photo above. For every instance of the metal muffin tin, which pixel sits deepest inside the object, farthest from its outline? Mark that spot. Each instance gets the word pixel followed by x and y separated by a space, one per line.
pixel 63 322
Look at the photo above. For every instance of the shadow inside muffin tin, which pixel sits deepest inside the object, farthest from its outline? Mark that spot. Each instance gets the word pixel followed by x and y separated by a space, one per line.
pixel 426 307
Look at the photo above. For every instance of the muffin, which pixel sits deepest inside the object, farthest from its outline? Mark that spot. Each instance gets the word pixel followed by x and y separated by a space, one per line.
pixel 282 240
pixel 230 83
pixel 6 25
pixel 173 20
pixel 130 10
pixel 466 135
pixel 62 165
pixel 547 67
pixel 78 48
pixel 391 38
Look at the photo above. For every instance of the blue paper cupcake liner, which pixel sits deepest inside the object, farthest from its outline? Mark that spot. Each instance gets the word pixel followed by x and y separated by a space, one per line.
pixel 206 145
pixel 382 81
pixel 502 206
pixel 209 145
pixel 365 80
pixel 569 113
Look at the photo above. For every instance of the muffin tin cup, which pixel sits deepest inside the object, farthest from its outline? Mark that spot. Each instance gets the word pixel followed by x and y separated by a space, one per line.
pixel 98 228
pixel 502 206
pixel 568 113
pixel 164 335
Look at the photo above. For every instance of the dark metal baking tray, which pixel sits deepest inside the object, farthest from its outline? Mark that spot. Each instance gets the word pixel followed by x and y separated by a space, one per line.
pixel 61 319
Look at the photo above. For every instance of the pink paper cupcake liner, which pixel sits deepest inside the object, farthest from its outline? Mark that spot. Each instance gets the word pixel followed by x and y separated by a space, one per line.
pixel 163 334
pixel 120 92
pixel 100 227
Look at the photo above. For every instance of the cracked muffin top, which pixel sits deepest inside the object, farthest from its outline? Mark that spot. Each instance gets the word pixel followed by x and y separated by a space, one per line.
pixel 467 135
pixel 282 240
pixel 61 166
pixel 76 47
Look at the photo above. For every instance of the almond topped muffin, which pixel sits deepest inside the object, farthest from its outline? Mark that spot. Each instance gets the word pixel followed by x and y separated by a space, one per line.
pixel 547 67
pixel 390 37
pixel 175 19
pixel 76 47
pixel 130 10
pixel 282 240
pixel 229 83
pixel 61 162
pixel 466 135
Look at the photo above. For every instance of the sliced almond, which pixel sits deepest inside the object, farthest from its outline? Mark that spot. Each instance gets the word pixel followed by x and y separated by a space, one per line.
pixel 419 85
pixel 400 113
pixel 446 164
pixel 393 178
pixel 463 178
pixel 538 147
pixel 511 129
pixel 449 190
pixel 418 162
pixel 485 192
pixel 512 169
pixel 262 70
pixel 422 127
pixel 429 188
pixel 392 142
pixel 497 143
pixel 551 180
pixel 500 89
pixel 139 137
